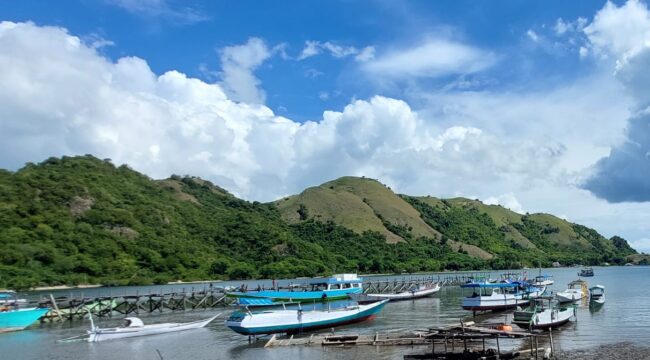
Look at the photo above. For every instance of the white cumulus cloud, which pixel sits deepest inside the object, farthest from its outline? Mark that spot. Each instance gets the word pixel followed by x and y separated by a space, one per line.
pixel 59 96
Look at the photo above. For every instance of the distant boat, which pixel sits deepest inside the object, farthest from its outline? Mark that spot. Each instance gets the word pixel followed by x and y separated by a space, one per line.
pixel 420 292
pixel 596 296
pixel 19 319
pixel 134 327
pixel 337 287
pixel 299 320
pixel 9 298
pixel 586 272
pixel 576 291
pixel 543 280
pixel 542 314
pixel 500 296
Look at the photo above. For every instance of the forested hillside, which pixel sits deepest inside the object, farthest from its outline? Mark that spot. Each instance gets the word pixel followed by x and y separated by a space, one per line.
pixel 75 220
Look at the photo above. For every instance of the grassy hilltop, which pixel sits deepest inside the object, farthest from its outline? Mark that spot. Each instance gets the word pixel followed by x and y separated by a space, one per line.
pixel 80 219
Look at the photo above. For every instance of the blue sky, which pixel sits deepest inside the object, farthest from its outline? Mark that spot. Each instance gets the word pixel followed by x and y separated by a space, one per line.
pixel 187 36
pixel 540 106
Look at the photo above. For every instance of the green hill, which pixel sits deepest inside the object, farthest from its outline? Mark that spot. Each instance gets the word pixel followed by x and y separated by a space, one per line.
pixel 75 220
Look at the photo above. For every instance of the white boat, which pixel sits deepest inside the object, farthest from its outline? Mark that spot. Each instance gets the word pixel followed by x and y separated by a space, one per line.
pixel 596 295
pixel 543 315
pixel 134 327
pixel 299 320
pixel 499 296
pixel 576 291
pixel 422 291
pixel 543 280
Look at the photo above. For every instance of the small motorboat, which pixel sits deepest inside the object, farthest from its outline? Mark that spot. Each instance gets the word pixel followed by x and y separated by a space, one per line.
pixel 576 291
pixel 299 320
pixel 134 327
pixel 586 272
pixel 596 296
pixel 543 280
pixel 420 292
pixel 19 319
pixel 499 296
pixel 543 313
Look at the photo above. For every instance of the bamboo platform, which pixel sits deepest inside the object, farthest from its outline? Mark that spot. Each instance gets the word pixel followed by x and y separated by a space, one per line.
pixel 466 341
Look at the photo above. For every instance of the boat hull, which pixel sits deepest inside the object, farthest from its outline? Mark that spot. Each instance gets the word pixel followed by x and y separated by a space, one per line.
pixel 407 295
pixel 126 332
pixel 293 321
pixel 546 319
pixel 298 296
pixel 20 319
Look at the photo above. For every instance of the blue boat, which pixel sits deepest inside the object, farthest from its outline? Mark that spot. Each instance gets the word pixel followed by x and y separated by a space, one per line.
pixel 299 320
pixel 337 287
pixel 19 319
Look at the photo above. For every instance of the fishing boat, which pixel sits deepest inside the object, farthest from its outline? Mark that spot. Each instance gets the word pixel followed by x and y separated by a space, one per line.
pixel 543 313
pixel 420 292
pixel 586 272
pixel 299 320
pixel 337 287
pixel 576 291
pixel 135 327
pixel 19 319
pixel 9 298
pixel 500 296
pixel 261 303
pixel 543 280
pixel 596 296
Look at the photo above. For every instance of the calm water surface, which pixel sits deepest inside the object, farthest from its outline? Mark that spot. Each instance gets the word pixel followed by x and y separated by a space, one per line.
pixel 624 317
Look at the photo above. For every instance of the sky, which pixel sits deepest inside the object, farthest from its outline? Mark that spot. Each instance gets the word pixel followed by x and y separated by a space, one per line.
pixel 539 106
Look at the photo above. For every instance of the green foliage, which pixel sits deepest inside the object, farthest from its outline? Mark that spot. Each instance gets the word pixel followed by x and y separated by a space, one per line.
pixel 75 220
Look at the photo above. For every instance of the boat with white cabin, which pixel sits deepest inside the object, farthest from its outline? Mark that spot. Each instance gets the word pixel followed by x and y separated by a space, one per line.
pixel 543 313
pixel 543 280
pixel 299 320
pixel 596 296
pixel 499 296
pixel 576 291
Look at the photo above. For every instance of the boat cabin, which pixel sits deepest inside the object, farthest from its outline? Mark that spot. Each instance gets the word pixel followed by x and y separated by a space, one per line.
pixel 338 282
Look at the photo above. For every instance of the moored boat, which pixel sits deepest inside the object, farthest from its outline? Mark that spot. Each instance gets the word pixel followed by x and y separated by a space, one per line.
pixel 586 272
pixel 543 280
pixel 261 303
pixel 337 287
pixel 134 327
pixel 10 298
pixel 543 313
pixel 420 292
pixel 576 291
pixel 499 296
pixel 19 319
pixel 299 320
pixel 596 296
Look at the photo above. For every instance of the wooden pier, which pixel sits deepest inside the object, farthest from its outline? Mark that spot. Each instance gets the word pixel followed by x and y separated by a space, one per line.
pixel 208 296
pixel 128 305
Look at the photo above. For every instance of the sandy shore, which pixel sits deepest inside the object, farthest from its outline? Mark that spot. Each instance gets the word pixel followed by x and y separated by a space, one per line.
pixel 619 351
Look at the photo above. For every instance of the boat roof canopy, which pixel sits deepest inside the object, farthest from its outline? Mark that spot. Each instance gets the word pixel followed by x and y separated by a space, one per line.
pixel 597 287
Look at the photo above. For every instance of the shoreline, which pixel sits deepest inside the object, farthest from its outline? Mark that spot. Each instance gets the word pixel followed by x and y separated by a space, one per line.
pixel 615 351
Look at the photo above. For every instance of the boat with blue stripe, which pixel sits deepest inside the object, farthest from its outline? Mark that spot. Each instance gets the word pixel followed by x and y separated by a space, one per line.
pixel 298 320
pixel 337 287
pixel 19 319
